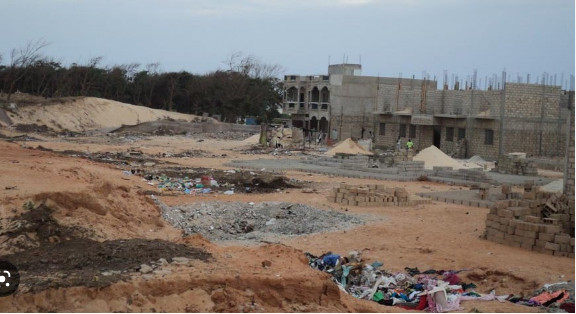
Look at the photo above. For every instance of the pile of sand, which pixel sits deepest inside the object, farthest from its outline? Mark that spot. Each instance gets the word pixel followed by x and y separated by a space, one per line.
pixel 476 159
pixel 348 146
pixel 91 113
pixel 433 157
pixel 254 139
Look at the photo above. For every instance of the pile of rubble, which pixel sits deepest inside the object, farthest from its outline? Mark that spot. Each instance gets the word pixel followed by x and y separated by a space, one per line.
pixel 539 221
pixel 266 221
pixel 516 163
pixel 372 195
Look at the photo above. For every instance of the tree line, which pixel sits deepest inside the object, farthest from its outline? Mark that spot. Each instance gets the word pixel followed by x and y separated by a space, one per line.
pixel 247 88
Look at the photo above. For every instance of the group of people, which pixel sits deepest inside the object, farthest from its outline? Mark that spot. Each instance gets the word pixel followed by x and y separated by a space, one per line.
pixel 409 144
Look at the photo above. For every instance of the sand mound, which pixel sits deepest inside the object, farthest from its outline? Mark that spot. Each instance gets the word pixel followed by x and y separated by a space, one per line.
pixel 476 159
pixel 433 157
pixel 348 146
pixel 91 113
pixel 254 139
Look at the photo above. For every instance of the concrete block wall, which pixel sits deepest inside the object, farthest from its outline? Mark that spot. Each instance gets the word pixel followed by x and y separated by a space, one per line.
pixel 569 168
pixel 351 126
pixel 476 138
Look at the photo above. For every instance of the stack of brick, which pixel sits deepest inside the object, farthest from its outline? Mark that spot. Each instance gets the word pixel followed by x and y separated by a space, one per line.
pixel 372 195
pixel 531 224
pixel 516 163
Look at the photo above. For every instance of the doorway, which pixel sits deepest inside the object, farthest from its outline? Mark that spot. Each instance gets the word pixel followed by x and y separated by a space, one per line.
pixel 437 136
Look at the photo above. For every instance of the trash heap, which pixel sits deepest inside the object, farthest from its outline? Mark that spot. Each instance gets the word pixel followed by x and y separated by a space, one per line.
pixel 372 195
pixel 516 163
pixel 431 290
pixel 196 186
pixel 540 221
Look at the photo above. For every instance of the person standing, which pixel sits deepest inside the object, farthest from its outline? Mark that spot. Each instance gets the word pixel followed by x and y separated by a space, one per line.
pixel 399 143
pixel 409 144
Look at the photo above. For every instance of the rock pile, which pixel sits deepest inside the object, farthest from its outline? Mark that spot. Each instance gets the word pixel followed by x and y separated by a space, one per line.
pixel 219 221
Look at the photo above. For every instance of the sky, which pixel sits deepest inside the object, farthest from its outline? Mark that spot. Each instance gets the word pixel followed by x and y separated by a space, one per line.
pixel 390 38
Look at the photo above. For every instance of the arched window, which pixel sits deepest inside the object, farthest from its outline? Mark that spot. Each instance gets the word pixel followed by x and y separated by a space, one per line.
pixel 325 95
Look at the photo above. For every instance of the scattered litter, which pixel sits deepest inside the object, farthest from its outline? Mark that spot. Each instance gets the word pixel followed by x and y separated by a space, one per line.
pixel 229 192
pixel 431 290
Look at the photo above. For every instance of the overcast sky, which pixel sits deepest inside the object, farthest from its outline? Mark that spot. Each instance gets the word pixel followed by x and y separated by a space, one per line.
pixel 388 36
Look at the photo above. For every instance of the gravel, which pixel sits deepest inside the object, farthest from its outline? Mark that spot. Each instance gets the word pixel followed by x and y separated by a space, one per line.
pixel 222 221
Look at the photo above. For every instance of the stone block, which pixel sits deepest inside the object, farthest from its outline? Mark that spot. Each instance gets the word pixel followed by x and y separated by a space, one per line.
pixel 552 246
pixel 562 239
pixel 548 237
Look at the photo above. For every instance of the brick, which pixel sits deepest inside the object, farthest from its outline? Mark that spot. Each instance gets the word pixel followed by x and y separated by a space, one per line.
pixel 550 228
pixel 548 237
pixel 532 219
pixel 562 239
pixel 552 246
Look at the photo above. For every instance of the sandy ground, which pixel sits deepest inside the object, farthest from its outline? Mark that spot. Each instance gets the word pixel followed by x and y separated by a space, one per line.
pixel 95 195
pixel 108 205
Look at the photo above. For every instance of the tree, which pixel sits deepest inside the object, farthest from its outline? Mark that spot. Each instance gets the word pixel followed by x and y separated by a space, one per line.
pixel 20 60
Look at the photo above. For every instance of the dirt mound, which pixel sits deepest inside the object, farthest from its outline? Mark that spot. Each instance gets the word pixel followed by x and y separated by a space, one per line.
pixel 348 146
pixel 235 282
pixel 87 113
pixel 37 227
pixel 80 262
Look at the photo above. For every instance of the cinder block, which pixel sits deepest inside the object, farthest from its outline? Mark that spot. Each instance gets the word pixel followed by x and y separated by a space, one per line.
pixel 548 237
pixel 552 246
pixel 562 239
pixel 532 219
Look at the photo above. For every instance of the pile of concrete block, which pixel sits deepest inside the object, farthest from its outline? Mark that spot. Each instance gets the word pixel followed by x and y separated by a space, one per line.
pixel 372 195
pixel 539 222
pixel 516 163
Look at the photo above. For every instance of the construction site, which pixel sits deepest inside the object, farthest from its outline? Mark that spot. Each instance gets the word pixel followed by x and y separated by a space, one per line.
pixel 111 207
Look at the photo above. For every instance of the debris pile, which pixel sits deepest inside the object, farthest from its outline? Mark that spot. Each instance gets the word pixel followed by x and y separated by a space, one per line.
pixel 372 195
pixel 280 137
pixel 219 221
pixel 540 221
pixel 516 163
pixel 431 290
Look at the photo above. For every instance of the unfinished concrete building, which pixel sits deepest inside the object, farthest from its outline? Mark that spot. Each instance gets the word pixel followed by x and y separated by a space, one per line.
pixel 530 118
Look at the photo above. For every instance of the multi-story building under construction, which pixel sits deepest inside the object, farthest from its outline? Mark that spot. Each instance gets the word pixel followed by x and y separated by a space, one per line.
pixel 513 117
